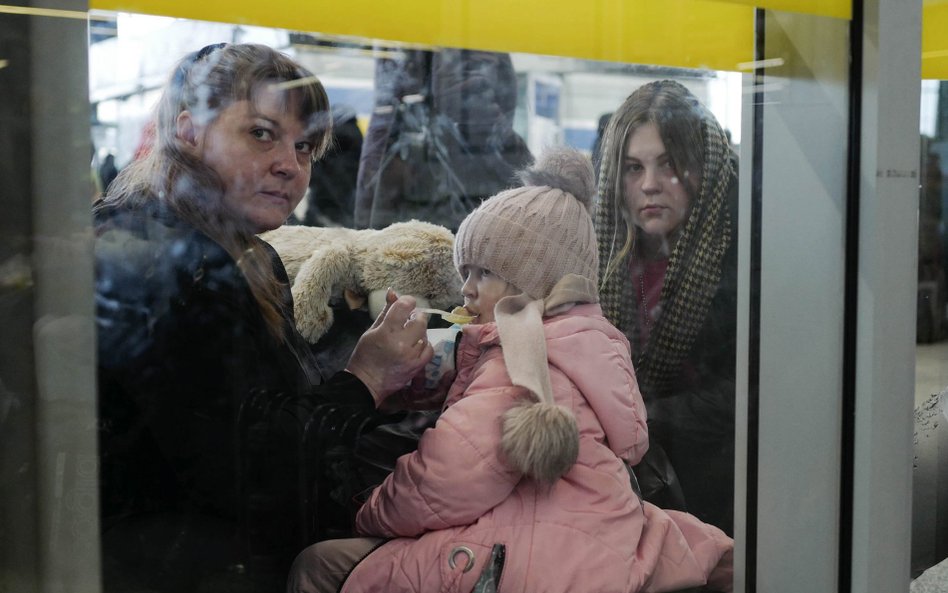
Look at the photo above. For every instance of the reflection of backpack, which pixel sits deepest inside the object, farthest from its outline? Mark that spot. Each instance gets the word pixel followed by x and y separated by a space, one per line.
pixel 416 177
pixel 417 159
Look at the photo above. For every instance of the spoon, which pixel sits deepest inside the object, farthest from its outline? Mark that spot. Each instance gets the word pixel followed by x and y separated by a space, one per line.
pixel 457 315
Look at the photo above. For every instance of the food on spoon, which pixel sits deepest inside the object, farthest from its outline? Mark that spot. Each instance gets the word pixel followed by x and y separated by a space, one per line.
pixel 458 315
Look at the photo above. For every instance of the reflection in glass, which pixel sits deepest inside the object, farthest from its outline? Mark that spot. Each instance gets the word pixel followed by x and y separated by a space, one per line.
pixel 428 134
pixel 440 139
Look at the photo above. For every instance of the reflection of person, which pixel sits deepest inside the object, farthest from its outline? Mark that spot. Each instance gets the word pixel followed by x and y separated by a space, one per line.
pixel 107 171
pixel 194 317
pixel 529 449
pixel 441 138
pixel 668 254
pixel 333 182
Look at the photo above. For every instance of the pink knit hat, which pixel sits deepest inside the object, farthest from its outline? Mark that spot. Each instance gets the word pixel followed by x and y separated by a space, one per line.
pixel 540 238
pixel 532 236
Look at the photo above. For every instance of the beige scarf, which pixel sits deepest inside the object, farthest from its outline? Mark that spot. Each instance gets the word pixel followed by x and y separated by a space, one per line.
pixel 540 438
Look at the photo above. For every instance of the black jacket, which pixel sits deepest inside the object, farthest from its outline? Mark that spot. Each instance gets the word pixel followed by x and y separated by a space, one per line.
pixel 201 409
pixel 694 421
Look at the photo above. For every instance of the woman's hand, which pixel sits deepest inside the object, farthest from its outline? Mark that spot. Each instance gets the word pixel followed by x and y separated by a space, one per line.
pixel 391 352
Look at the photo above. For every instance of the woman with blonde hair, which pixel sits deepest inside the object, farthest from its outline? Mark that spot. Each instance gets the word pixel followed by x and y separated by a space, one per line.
pixel 666 224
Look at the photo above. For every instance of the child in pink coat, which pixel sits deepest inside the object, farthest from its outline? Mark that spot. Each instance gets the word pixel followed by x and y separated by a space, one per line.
pixel 539 426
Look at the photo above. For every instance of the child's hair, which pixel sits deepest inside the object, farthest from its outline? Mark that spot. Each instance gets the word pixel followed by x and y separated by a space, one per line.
pixel 534 235
pixel 204 83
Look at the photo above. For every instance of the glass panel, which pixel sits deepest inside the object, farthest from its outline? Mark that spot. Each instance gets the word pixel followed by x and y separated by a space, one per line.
pixel 931 372
pixel 252 476
pixel 245 478
pixel 799 169
pixel 49 530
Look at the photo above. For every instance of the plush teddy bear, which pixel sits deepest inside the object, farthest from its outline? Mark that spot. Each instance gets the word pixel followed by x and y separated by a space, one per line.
pixel 412 257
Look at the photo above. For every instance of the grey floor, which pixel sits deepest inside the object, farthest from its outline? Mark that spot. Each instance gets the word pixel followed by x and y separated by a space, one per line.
pixel 933 580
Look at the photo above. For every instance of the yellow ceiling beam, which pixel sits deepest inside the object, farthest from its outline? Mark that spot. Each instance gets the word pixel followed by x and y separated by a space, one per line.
pixel 935 39
pixel 683 33
pixel 713 34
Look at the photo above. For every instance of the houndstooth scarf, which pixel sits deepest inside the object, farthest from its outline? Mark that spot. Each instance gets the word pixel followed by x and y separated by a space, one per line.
pixel 694 267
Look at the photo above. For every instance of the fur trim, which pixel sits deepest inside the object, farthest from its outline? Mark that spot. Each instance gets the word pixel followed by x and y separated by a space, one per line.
pixel 540 440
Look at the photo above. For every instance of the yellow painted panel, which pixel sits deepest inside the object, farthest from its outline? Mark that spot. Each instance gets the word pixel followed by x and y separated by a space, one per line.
pixel 683 33
pixel 935 40
pixel 841 9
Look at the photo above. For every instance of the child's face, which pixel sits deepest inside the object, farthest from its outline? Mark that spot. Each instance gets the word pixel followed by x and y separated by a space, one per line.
pixel 481 290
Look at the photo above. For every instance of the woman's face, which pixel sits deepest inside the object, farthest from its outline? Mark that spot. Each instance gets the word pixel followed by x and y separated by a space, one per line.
pixel 657 199
pixel 481 290
pixel 262 153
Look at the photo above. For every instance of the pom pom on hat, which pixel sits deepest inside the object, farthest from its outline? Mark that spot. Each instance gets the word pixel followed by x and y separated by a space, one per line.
pixel 565 169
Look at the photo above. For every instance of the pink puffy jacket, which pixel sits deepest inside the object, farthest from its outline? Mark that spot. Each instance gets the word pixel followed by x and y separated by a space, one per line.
pixel 588 533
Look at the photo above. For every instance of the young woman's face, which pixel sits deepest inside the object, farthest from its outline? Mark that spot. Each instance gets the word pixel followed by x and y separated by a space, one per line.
pixel 262 153
pixel 481 291
pixel 657 199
